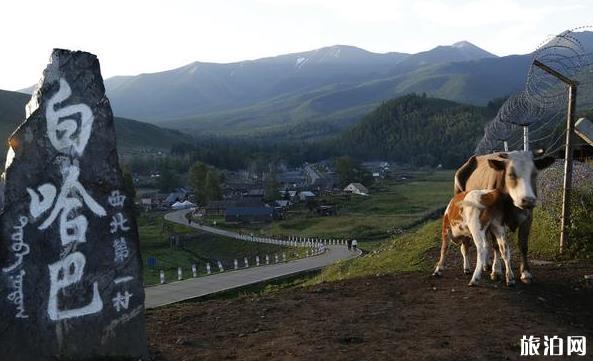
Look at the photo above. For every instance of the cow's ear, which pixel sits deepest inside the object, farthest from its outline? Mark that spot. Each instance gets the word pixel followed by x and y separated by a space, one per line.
pixel 497 164
pixel 543 163
pixel 503 155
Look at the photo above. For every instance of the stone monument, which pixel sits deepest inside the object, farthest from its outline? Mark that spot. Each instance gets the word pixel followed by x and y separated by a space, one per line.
pixel 71 284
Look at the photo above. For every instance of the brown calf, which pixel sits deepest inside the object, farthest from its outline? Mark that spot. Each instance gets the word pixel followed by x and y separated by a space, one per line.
pixel 472 215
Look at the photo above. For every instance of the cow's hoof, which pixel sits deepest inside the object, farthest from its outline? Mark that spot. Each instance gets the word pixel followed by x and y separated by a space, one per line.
pixel 437 274
pixel 526 277
pixel 473 283
pixel 495 276
pixel 511 283
pixel 467 272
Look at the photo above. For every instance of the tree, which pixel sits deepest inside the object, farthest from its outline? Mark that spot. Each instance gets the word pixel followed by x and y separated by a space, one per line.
pixel 168 180
pixel 212 186
pixel 344 169
pixel 271 192
pixel 350 170
pixel 197 180
pixel 128 182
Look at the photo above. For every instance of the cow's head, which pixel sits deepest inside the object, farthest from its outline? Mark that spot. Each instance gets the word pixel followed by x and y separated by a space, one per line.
pixel 520 172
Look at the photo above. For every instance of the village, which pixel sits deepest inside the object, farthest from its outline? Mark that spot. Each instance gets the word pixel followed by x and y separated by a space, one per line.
pixel 250 199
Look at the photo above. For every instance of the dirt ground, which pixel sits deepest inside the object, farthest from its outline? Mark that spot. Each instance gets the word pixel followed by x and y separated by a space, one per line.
pixel 407 316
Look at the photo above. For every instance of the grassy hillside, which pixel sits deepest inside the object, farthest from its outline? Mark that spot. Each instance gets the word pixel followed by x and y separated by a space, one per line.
pixel 418 130
pixel 409 252
pixel 131 134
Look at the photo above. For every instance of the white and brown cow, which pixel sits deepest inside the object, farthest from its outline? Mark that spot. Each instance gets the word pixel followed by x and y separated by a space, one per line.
pixel 476 214
pixel 513 174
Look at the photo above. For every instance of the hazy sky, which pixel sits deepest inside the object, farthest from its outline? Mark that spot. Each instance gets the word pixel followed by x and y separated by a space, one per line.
pixel 132 37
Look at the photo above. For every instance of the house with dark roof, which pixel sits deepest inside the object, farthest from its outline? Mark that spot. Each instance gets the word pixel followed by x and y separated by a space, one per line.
pixel 249 215
pixel 255 193
pixel 179 195
pixel 218 208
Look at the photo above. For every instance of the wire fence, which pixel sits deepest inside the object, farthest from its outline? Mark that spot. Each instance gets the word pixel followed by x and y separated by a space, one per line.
pixel 542 105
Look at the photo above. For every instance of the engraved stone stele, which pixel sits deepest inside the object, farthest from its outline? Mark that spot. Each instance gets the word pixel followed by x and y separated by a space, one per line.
pixel 70 266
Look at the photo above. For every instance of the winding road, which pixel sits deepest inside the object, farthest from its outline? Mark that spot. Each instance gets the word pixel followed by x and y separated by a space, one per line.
pixel 173 292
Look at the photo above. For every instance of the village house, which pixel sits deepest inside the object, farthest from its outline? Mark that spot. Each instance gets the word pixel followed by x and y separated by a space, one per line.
pixel 249 215
pixel 290 195
pixel 257 193
pixel 178 195
pixel 305 195
pixel 379 169
pixel 291 179
pixel 218 208
pixel 357 188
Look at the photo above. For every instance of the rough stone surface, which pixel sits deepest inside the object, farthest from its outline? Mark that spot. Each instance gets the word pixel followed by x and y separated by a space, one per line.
pixel 71 283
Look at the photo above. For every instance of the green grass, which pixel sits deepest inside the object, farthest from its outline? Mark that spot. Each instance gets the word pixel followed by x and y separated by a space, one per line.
pixel 401 254
pixel 199 248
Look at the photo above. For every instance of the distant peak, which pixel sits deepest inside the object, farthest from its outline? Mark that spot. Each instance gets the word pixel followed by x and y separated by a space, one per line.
pixel 466 46
pixel 463 44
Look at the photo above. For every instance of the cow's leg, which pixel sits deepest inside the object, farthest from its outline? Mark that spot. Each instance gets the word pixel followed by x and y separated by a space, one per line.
pixel 505 251
pixel 481 243
pixel 496 273
pixel 487 267
pixel 438 272
pixel 524 229
pixel 465 244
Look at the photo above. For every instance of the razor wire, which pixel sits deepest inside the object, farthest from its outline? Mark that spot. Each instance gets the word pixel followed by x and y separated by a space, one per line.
pixel 542 104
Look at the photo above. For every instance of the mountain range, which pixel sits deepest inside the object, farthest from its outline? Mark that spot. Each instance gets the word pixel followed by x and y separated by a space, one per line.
pixel 320 91
pixel 312 94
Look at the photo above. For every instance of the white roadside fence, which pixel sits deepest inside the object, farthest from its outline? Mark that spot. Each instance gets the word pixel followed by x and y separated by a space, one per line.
pixel 312 246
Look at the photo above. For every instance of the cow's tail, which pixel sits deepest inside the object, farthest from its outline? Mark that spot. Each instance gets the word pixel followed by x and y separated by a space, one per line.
pixel 463 173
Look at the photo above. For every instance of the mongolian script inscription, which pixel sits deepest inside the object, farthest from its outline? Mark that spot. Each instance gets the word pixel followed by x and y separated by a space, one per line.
pixel 20 249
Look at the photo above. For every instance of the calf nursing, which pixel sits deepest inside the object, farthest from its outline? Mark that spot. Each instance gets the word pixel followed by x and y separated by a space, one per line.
pixel 474 214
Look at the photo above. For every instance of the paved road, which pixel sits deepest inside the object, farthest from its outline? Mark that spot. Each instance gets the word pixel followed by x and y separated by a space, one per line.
pixel 161 295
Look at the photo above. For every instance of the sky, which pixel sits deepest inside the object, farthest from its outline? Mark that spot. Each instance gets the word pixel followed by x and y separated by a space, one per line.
pixel 142 36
